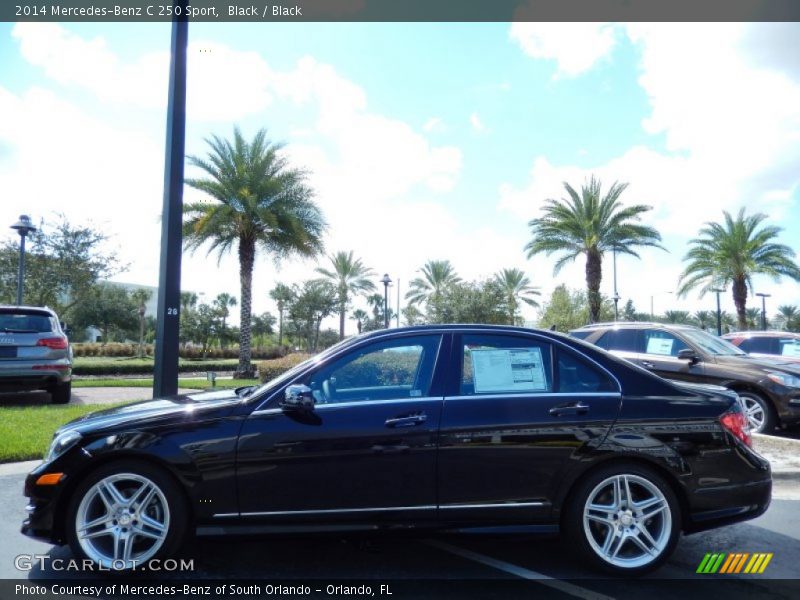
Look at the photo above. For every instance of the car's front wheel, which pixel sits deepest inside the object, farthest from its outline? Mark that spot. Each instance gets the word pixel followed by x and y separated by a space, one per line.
pixel 125 514
pixel 759 412
pixel 624 518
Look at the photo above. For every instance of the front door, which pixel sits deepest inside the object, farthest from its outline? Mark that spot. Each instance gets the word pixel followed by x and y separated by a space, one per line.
pixel 520 409
pixel 367 449
pixel 660 355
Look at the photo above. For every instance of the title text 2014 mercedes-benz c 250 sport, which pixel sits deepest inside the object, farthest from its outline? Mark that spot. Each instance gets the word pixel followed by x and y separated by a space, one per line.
pixel 430 428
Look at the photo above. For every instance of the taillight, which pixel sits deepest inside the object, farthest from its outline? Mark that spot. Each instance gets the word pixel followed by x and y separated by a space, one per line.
pixel 54 343
pixel 737 424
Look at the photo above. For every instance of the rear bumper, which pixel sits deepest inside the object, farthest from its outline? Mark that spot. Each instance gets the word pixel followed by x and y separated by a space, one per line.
pixel 726 504
pixel 14 378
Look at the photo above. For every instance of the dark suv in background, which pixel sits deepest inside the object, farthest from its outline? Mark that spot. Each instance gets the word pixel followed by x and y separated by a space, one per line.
pixel 769 389
pixel 783 345
pixel 34 352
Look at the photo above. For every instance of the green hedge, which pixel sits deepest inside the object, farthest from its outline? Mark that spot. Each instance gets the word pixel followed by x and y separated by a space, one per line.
pixel 84 366
pixel 270 369
pixel 117 349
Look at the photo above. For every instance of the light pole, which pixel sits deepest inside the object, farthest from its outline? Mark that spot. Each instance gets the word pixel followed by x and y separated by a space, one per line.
pixel 652 313
pixel 616 294
pixel 23 227
pixel 763 309
pixel 386 281
pixel 397 320
pixel 718 291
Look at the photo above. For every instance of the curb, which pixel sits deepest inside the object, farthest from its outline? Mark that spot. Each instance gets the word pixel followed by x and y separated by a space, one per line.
pixel 18 468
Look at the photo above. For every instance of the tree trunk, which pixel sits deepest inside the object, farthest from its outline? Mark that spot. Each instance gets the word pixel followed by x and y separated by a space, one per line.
pixel 740 300
pixel 594 275
pixel 141 336
pixel 342 310
pixel 247 255
pixel 280 325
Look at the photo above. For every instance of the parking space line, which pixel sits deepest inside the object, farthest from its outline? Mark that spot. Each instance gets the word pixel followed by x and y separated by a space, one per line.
pixel 562 586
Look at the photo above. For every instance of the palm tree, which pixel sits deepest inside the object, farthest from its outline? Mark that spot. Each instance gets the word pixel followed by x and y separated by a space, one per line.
pixel 260 202
pixel 282 294
pixel 590 224
pixel 731 253
pixel 223 303
pixel 517 288
pixel 350 276
pixel 359 316
pixel 437 275
pixel 704 318
pixel 676 316
pixel 753 317
pixel 788 316
pixel 141 296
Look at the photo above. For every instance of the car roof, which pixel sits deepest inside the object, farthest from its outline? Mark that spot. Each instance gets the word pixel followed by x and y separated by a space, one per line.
pixel 462 327
pixel 737 334
pixel 633 324
pixel 42 310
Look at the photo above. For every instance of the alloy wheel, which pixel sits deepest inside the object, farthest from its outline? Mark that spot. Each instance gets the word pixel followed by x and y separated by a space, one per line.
pixel 627 521
pixel 122 520
pixel 754 412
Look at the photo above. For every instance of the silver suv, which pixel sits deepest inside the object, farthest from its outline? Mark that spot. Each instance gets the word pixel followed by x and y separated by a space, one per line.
pixel 35 353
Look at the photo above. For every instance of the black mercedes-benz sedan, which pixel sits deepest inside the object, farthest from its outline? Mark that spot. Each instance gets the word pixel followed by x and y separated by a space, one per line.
pixel 449 428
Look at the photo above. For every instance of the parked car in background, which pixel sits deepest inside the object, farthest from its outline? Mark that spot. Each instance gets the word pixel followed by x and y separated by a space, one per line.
pixel 782 345
pixel 769 389
pixel 35 353
pixel 449 428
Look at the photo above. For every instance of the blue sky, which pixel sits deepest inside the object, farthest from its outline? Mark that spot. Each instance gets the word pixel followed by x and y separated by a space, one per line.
pixel 425 141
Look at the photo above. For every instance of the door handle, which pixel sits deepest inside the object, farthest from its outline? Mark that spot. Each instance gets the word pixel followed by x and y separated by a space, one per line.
pixel 647 364
pixel 576 408
pixel 407 420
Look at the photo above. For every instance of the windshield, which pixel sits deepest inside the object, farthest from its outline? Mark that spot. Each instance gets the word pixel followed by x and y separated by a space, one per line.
pixel 711 343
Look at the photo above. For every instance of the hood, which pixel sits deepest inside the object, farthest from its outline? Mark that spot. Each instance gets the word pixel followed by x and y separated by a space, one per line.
pixel 761 364
pixel 184 407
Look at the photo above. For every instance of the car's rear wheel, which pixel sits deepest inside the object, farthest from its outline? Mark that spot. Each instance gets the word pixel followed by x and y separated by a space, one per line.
pixel 759 412
pixel 61 393
pixel 125 514
pixel 624 518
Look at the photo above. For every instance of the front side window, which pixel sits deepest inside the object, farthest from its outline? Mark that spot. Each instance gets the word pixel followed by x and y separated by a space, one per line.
pixel 498 364
pixel 390 370
pixel 760 345
pixel 662 343
pixel 790 347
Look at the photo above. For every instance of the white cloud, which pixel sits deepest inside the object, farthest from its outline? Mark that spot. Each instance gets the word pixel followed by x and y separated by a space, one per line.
pixel 476 123
pixel 433 124
pixel 576 47
pixel 368 169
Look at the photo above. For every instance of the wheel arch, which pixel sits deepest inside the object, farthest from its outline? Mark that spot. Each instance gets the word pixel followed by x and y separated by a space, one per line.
pixel 567 492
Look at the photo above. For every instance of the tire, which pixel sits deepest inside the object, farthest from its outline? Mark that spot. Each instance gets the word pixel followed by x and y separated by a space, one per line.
pixel 109 529
pixel 611 540
pixel 759 412
pixel 61 393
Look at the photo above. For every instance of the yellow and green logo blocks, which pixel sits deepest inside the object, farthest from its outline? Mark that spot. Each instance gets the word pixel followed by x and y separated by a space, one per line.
pixel 736 562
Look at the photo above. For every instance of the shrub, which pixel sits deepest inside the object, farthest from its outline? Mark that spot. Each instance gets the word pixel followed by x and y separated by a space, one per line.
pixel 136 367
pixel 270 369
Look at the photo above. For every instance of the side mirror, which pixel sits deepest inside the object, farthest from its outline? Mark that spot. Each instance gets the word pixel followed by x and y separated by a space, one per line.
pixel 298 397
pixel 688 354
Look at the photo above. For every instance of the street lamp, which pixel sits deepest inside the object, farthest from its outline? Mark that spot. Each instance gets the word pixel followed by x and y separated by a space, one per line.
pixel 763 309
pixel 386 281
pixel 718 291
pixel 616 294
pixel 24 226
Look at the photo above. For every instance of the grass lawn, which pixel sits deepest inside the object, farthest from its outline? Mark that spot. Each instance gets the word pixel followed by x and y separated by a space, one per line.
pixel 26 431
pixel 146 382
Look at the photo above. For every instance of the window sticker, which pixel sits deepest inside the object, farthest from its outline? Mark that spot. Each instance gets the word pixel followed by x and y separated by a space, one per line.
pixel 508 370
pixel 791 349
pixel 661 346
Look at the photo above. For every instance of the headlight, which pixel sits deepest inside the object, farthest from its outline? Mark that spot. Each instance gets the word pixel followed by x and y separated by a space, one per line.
pixel 61 444
pixel 784 378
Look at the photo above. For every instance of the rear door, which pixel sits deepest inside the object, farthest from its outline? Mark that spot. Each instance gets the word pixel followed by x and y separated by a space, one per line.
pixel 518 409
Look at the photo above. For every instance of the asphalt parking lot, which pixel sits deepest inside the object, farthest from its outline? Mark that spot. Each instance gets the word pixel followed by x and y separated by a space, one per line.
pixel 545 564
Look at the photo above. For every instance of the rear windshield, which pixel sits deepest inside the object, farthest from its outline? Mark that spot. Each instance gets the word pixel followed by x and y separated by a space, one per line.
pixel 25 323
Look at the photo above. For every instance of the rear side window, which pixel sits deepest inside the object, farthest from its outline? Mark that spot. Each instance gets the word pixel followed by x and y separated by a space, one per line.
pixel 577 376
pixel 581 335
pixel 625 340
pixel 790 347
pixel 760 345
pixel 25 323
pixel 498 364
